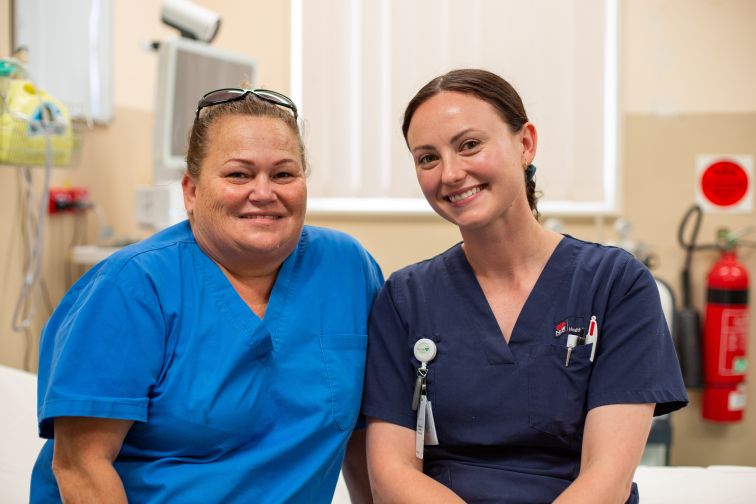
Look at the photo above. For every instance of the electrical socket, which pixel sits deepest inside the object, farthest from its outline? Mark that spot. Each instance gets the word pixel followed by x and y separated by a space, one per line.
pixel 68 200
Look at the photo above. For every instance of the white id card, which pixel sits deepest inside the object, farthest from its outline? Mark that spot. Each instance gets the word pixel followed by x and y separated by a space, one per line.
pixel 420 429
pixel 431 439
pixel 425 433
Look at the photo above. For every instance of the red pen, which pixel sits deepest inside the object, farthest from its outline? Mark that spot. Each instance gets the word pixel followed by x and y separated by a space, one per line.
pixel 592 337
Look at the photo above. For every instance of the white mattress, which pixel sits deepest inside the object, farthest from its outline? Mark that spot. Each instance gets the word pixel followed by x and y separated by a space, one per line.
pixel 697 485
pixel 19 443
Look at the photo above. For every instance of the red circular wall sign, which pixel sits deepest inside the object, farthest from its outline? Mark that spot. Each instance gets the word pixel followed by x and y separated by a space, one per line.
pixel 724 183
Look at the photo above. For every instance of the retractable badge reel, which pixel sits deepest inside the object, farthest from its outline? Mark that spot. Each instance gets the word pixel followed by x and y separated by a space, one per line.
pixel 425 351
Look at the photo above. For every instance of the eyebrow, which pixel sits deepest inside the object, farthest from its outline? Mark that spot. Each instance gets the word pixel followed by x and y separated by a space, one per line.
pixel 285 161
pixel 248 162
pixel 453 139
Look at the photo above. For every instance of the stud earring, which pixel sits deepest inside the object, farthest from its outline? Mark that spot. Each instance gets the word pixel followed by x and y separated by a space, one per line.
pixel 530 171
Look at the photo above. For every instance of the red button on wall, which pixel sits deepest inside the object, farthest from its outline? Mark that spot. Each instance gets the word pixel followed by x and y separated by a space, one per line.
pixel 724 183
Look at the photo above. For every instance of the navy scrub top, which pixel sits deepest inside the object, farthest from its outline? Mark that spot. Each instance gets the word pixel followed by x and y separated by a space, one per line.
pixel 509 416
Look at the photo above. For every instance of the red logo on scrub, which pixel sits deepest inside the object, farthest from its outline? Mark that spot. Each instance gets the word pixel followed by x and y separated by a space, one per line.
pixel 560 328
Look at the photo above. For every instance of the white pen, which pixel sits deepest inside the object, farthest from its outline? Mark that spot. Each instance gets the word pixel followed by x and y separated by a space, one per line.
pixel 592 337
pixel 571 342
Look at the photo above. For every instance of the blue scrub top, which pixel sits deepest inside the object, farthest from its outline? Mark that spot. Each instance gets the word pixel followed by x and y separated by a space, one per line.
pixel 509 416
pixel 227 407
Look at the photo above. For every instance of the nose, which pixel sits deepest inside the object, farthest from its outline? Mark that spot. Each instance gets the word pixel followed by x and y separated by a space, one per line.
pixel 262 190
pixel 452 171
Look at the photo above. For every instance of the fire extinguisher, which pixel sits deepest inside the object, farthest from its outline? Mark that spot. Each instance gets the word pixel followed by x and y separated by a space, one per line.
pixel 725 335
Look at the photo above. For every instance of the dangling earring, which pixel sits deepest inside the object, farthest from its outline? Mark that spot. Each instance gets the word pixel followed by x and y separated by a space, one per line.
pixel 530 171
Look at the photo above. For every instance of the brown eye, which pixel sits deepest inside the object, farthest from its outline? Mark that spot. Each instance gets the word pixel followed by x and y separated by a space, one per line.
pixel 425 159
pixel 469 144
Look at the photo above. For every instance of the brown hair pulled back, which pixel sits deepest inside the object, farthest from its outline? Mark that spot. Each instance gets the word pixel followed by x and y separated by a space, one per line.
pixel 490 88
pixel 249 105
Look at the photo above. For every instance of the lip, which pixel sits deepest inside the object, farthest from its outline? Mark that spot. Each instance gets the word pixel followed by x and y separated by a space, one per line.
pixel 479 188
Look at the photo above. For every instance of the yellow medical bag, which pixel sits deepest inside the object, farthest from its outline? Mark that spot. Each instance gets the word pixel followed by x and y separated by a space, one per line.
pixel 27 115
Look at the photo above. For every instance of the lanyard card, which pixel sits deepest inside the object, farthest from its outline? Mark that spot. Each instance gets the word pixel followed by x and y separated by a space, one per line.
pixel 431 439
pixel 420 429
pixel 425 432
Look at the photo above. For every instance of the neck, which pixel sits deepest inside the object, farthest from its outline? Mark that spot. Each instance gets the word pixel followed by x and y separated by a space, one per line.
pixel 254 288
pixel 507 251
pixel 252 277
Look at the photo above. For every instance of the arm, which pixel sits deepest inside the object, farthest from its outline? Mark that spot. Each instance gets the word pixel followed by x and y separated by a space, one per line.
pixel 613 443
pixel 355 471
pixel 396 474
pixel 83 456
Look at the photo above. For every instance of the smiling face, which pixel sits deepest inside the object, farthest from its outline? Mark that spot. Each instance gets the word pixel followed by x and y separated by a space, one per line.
pixel 248 201
pixel 469 163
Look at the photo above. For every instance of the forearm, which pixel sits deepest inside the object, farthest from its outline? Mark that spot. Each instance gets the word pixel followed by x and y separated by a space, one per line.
pixel 95 482
pixel 355 471
pixel 83 456
pixel 396 474
pixel 414 486
pixel 399 485
pixel 597 485
pixel 613 442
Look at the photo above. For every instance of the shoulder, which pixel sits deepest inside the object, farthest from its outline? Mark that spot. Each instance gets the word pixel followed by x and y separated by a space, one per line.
pixel 157 251
pixel 337 252
pixel 331 242
pixel 608 268
pixel 316 236
pixel 602 259
pixel 142 267
pixel 596 253
pixel 414 286
pixel 427 269
pixel 142 271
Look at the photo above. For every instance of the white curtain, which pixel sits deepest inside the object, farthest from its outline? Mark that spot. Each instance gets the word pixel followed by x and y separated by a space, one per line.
pixel 356 64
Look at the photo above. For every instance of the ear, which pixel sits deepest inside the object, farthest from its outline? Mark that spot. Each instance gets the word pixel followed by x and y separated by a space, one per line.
pixel 189 186
pixel 529 143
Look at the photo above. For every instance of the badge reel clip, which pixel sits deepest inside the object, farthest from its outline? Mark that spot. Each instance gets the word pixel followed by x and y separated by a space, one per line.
pixel 425 433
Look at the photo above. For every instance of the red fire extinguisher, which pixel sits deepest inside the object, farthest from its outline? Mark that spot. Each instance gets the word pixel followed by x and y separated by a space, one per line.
pixel 725 336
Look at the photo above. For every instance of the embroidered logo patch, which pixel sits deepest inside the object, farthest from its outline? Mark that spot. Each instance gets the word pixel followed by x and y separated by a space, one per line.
pixel 572 325
pixel 560 328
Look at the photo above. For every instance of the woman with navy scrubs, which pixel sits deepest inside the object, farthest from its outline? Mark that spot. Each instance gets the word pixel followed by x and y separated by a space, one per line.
pixel 222 359
pixel 521 365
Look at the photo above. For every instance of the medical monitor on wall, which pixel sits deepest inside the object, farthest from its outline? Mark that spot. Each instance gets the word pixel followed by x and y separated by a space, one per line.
pixel 187 69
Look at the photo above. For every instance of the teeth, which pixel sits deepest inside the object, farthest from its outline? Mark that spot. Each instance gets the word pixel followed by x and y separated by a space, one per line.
pixel 260 217
pixel 466 194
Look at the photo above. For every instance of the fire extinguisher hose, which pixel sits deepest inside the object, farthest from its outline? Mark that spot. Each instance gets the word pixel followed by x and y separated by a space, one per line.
pixel 687 336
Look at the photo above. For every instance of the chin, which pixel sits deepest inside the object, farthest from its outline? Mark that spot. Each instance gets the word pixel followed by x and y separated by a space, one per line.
pixel 272 243
pixel 466 220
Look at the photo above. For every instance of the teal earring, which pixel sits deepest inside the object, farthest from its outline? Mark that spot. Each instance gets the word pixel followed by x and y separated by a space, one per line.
pixel 530 172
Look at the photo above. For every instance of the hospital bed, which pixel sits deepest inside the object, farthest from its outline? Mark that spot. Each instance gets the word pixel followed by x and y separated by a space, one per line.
pixel 19 446
pixel 19 443
pixel 676 485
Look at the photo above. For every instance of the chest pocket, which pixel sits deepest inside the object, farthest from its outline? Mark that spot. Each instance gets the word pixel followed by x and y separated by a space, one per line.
pixel 557 394
pixel 344 358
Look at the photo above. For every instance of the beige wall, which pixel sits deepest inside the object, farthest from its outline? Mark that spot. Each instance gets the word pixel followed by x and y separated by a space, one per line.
pixel 117 158
pixel 687 82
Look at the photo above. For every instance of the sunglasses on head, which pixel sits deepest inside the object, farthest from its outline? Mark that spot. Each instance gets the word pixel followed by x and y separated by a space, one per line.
pixel 226 95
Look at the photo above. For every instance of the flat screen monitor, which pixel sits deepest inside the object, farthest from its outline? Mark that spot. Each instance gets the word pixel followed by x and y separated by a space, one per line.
pixel 187 69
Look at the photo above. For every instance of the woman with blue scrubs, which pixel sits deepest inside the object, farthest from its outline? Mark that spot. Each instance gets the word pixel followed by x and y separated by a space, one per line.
pixel 521 365
pixel 222 359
